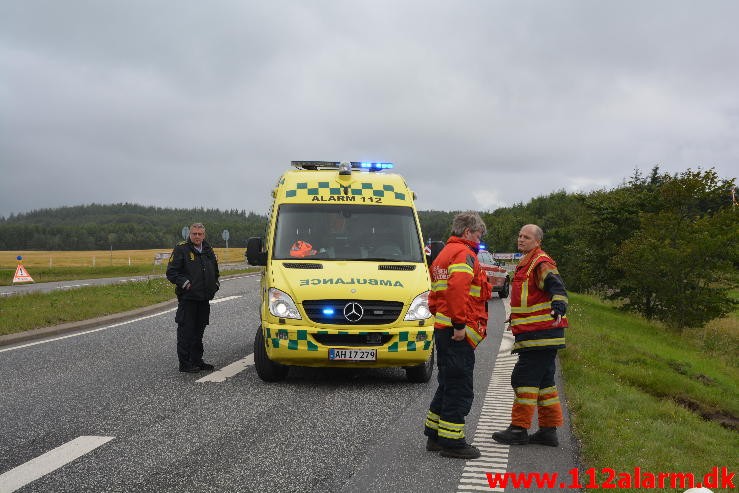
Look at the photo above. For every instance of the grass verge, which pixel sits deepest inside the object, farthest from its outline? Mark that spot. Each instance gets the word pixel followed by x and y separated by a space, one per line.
pixel 643 396
pixel 35 310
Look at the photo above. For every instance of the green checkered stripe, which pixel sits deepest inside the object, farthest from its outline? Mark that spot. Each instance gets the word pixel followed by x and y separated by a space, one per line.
pixel 299 340
pixel 366 189
pixel 405 344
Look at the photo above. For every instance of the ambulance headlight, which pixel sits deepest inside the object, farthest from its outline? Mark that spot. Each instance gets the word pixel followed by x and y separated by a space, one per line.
pixel 419 309
pixel 281 305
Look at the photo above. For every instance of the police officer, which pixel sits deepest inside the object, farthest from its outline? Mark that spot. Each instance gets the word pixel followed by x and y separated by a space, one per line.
pixel 458 300
pixel 193 269
pixel 538 321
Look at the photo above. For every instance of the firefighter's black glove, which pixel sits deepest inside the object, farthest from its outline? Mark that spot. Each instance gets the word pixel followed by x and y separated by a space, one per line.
pixel 458 326
pixel 559 308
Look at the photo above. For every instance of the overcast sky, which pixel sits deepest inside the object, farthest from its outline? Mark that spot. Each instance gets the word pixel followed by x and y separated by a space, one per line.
pixel 480 104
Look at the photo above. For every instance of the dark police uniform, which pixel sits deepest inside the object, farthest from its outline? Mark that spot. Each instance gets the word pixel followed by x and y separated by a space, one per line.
pixel 197 271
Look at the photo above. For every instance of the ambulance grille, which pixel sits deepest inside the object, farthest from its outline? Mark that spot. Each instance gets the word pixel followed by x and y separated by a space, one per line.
pixel 375 312
pixel 353 339
pixel 396 267
pixel 301 265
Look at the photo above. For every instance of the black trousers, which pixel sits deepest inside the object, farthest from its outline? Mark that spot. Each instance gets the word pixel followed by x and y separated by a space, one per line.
pixel 534 369
pixel 191 318
pixel 453 398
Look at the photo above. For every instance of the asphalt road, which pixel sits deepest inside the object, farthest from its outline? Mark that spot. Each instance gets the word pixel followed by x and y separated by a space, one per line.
pixel 107 410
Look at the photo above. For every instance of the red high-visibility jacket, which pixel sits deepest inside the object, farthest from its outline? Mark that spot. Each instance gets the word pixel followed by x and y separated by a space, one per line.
pixel 460 290
pixel 302 249
pixel 531 306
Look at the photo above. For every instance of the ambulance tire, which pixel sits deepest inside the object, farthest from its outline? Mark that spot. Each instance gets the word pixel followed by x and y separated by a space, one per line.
pixel 503 294
pixel 421 373
pixel 268 370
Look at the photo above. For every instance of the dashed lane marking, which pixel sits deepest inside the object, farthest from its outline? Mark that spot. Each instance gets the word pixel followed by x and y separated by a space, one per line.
pixel 50 461
pixel 77 334
pixel 495 415
pixel 229 371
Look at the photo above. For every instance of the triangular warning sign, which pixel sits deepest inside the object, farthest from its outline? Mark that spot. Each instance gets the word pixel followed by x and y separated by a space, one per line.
pixel 22 275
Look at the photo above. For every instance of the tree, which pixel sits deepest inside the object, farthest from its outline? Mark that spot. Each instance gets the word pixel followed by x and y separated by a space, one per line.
pixel 678 267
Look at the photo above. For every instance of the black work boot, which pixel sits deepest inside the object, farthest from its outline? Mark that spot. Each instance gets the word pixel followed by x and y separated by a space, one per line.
pixel 466 452
pixel 545 436
pixel 432 445
pixel 513 435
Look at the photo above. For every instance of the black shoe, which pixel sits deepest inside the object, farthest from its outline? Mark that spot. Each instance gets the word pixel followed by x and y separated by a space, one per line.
pixel 466 452
pixel 432 445
pixel 190 369
pixel 513 435
pixel 545 436
pixel 206 366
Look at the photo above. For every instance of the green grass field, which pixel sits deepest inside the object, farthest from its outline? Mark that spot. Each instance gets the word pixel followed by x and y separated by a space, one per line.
pixel 644 396
pixel 35 310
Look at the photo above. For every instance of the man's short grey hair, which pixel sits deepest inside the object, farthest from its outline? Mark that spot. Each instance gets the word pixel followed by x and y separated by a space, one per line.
pixel 468 220
pixel 538 232
pixel 197 226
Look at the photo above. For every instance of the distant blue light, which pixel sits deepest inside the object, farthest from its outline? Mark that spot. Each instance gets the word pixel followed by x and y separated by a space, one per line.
pixel 483 246
pixel 328 311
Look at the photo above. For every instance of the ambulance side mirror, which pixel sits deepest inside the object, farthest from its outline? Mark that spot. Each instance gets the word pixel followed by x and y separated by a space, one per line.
pixel 254 253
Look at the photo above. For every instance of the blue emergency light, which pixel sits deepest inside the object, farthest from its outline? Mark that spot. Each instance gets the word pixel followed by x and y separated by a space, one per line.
pixel 328 311
pixel 375 166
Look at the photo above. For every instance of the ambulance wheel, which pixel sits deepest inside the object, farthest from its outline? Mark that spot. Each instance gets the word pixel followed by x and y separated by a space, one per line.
pixel 421 373
pixel 268 370
pixel 506 290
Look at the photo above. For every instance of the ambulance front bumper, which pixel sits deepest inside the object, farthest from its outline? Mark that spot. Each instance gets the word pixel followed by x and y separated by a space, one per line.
pixel 356 348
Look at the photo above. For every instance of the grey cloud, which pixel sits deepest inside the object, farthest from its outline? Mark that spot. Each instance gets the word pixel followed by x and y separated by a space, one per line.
pixel 480 104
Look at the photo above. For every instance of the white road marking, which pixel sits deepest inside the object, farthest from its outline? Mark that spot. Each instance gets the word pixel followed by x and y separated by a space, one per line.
pixel 50 461
pixel 495 415
pixel 233 278
pixel 70 286
pixel 227 298
pixel 76 334
pixel 228 371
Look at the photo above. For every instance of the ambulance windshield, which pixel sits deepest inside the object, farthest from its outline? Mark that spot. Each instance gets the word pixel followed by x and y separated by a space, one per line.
pixel 346 232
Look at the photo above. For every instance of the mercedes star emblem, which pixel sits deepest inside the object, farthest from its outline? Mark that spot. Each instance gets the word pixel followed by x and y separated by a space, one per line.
pixel 353 311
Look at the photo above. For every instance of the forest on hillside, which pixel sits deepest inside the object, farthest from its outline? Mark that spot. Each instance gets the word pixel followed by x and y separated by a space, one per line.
pixel 665 244
pixel 132 226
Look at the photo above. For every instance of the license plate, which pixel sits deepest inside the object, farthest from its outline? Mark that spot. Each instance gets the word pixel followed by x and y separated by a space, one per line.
pixel 352 354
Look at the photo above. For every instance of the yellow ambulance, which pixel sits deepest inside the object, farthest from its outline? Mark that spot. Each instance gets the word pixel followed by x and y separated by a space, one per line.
pixel 346 282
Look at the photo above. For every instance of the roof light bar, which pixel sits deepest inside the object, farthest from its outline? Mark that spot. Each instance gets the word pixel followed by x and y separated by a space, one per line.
pixel 373 166
pixel 360 165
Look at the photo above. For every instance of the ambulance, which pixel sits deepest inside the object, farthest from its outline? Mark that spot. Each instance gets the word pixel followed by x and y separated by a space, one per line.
pixel 346 282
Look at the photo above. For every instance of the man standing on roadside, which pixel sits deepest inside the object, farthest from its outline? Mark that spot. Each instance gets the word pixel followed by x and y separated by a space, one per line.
pixel 538 321
pixel 458 299
pixel 193 269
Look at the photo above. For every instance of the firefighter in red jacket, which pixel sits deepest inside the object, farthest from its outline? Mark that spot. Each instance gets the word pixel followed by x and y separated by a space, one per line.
pixel 458 299
pixel 538 321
